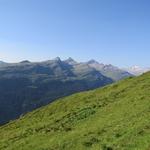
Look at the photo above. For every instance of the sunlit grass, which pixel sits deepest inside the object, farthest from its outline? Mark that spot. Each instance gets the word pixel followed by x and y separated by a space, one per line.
pixel 116 117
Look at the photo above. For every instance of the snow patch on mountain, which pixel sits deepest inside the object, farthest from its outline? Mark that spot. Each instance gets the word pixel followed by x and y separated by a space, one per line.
pixel 137 70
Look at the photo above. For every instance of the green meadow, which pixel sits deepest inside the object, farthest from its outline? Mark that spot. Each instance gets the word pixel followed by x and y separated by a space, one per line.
pixel 116 117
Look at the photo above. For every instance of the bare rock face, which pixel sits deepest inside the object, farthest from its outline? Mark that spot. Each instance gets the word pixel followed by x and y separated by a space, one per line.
pixel 109 70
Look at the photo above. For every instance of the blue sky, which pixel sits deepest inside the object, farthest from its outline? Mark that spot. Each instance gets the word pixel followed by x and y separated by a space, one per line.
pixel 110 31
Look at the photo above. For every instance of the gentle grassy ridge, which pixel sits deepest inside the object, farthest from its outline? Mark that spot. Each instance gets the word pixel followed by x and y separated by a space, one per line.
pixel 116 117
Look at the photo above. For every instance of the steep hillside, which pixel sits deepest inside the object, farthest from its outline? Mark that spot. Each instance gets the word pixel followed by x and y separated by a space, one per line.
pixel 26 86
pixel 116 117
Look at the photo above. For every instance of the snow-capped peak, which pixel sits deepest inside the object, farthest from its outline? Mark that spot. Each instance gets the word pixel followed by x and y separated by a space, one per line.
pixel 137 70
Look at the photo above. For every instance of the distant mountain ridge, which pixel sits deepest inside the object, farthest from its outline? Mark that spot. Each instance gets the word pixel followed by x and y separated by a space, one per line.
pixel 2 63
pixel 110 71
pixel 107 70
pixel 27 85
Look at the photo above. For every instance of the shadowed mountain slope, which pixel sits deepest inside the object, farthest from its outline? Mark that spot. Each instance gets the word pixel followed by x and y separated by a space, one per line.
pixel 26 86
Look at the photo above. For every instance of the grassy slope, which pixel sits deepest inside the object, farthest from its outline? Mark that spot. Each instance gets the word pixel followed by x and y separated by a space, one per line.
pixel 115 117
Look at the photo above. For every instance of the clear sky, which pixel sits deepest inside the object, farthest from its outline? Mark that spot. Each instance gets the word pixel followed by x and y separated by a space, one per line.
pixel 110 31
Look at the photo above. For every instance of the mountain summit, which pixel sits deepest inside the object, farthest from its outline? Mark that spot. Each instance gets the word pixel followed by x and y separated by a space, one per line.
pixel 109 71
pixel 70 61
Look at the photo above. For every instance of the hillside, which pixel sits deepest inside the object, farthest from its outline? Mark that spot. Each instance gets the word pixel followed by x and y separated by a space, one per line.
pixel 26 86
pixel 116 117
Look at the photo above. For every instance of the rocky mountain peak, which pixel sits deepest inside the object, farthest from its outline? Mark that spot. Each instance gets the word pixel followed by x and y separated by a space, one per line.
pixel 57 59
pixel 70 61
pixel 92 61
pixel 25 61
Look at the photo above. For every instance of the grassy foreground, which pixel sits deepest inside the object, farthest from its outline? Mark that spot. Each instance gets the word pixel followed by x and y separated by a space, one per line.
pixel 116 117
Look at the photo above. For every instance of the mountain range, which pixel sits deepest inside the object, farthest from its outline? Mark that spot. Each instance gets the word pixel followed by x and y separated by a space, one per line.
pixel 115 117
pixel 109 70
pixel 27 85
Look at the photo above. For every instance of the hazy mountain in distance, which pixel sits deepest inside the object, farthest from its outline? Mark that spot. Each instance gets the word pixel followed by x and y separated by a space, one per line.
pixel 70 61
pixel 110 71
pixel 2 63
pixel 25 61
pixel 137 70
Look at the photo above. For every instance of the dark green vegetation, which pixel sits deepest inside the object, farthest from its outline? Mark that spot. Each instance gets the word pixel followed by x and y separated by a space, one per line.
pixel 26 86
pixel 116 117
